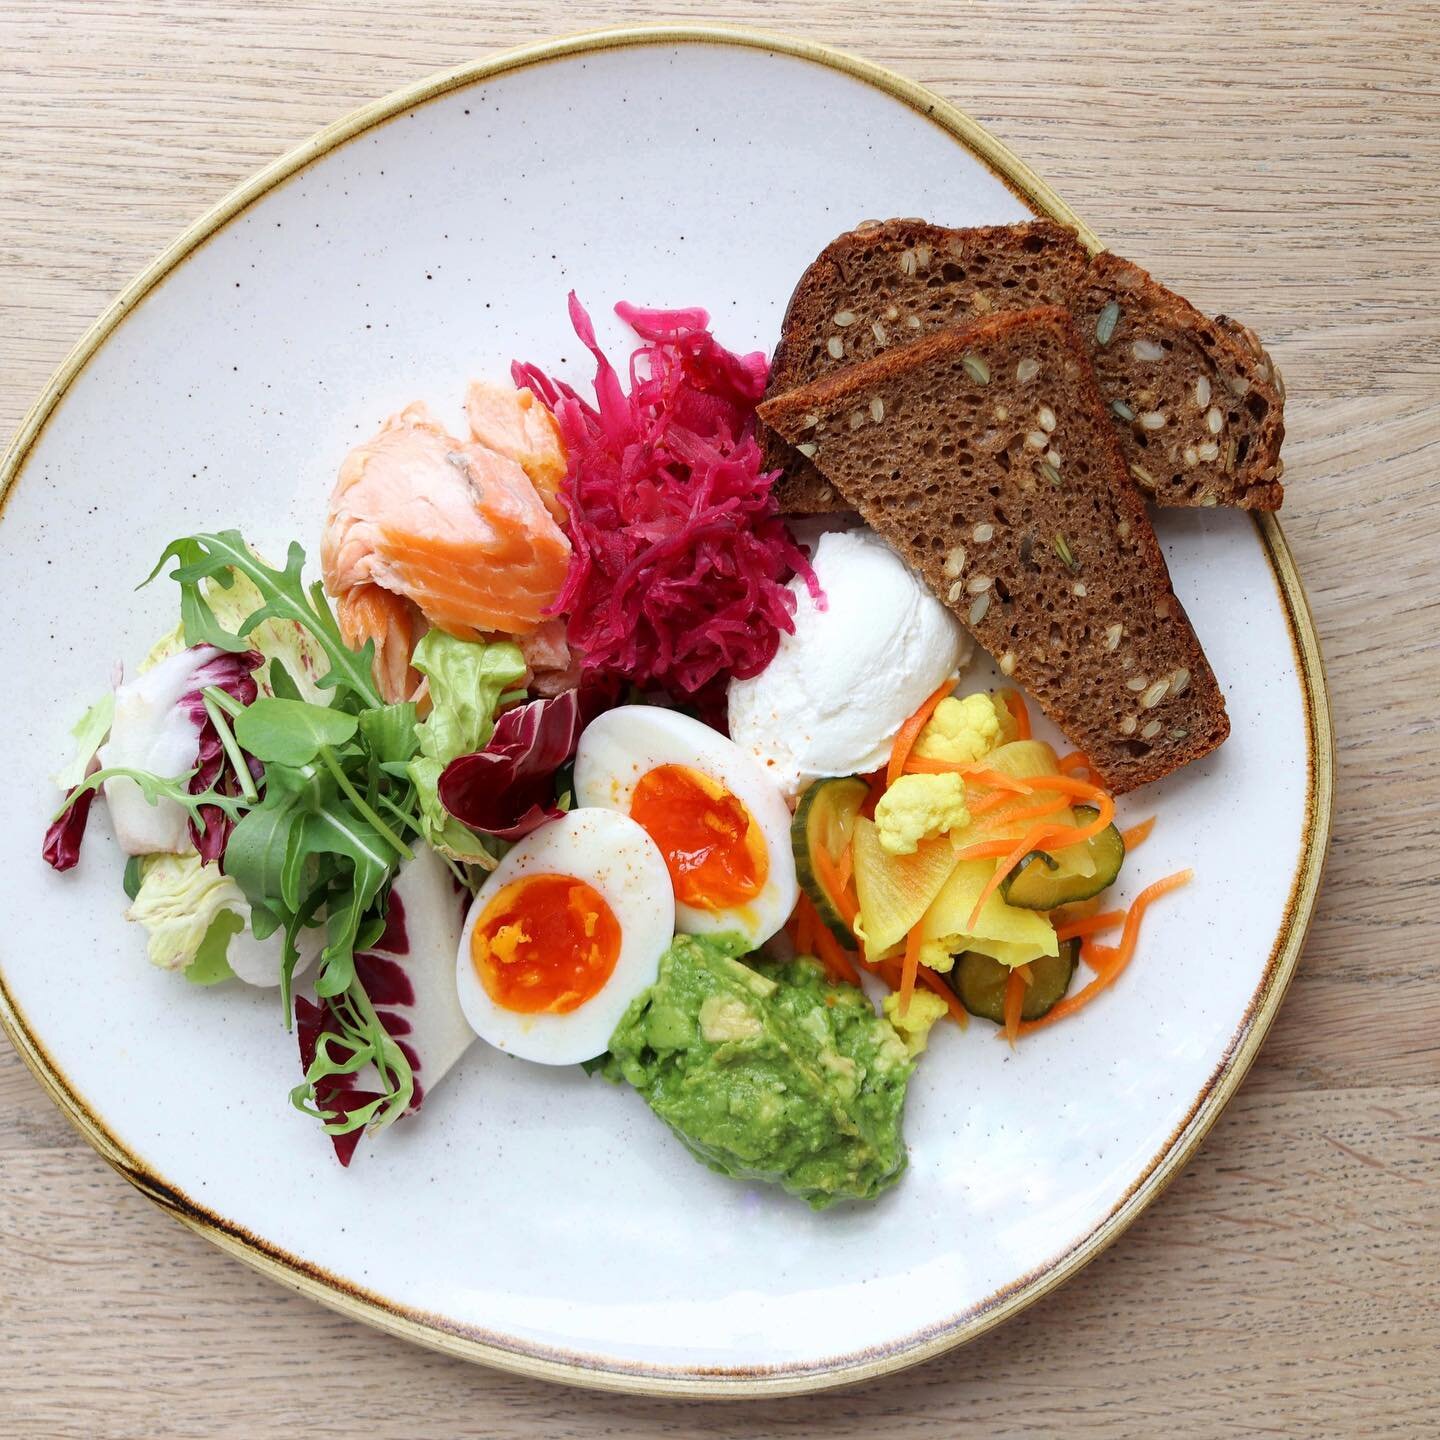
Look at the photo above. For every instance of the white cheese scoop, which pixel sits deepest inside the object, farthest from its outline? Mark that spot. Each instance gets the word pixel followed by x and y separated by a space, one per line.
pixel 840 687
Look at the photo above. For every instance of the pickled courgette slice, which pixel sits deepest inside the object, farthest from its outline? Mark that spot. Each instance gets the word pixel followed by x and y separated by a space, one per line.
pixel 1034 885
pixel 980 982
pixel 825 820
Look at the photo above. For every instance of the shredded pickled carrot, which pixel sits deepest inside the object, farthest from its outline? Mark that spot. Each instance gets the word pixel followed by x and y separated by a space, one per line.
pixel 836 880
pixel 800 927
pixel 1138 834
pixel 985 850
pixel 828 873
pixel 1097 957
pixel 931 981
pixel 909 968
pixel 910 732
pixel 889 974
pixel 1025 973
pixel 1069 785
pixel 832 955
pixel 1089 925
pixel 1050 837
pixel 1075 760
pixel 1037 812
pixel 1113 960
pixel 1015 702
pixel 973 772
pixel 812 937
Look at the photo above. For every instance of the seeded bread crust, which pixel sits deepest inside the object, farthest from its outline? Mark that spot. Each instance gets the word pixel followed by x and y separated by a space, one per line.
pixel 984 456
pixel 892 282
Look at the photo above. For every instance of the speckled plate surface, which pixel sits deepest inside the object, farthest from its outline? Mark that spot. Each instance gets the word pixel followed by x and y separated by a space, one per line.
pixel 531 1218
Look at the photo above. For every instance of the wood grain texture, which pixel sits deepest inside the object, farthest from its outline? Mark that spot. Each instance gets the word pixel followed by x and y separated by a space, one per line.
pixel 1278 162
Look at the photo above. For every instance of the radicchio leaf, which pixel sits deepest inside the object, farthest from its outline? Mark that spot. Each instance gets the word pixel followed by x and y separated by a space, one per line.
pixel 65 835
pixel 382 971
pixel 232 674
pixel 508 788
pixel 338 1093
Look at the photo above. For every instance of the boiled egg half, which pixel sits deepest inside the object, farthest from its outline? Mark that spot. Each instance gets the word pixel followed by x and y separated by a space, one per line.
pixel 720 822
pixel 566 931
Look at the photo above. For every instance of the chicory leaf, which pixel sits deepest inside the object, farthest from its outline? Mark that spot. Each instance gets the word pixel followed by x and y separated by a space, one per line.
pixel 509 788
pixel 291 732
pixel 89 732
pixel 217 762
pixel 66 834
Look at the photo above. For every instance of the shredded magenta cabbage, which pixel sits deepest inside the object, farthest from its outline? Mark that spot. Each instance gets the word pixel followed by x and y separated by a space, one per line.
pixel 680 558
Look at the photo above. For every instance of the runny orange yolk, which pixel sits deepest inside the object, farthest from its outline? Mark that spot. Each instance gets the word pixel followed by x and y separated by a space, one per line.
pixel 713 848
pixel 545 944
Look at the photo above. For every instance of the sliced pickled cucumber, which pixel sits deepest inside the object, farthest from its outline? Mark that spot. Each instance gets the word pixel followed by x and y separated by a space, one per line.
pixel 825 819
pixel 1038 882
pixel 980 983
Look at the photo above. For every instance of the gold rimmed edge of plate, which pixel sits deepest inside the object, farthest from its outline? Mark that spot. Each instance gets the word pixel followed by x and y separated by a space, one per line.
pixel 752 1382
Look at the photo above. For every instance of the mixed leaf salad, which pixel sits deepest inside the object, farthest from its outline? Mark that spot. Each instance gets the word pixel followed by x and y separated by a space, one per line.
pixel 576 746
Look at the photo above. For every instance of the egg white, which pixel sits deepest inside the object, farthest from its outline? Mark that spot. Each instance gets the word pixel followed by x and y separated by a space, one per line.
pixel 624 744
pixel 614 856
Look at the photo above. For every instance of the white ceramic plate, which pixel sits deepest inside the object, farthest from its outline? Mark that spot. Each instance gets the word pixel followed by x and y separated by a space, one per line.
pixel 530 1217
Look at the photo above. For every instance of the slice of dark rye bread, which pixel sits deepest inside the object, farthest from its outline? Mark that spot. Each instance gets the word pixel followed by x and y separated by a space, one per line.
pixel 985 457
pixel 1197 404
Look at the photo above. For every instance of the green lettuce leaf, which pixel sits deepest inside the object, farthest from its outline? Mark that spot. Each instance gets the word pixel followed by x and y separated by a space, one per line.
pixel 211 965
pixel 467 679
pixel 89 732
pixel 178 902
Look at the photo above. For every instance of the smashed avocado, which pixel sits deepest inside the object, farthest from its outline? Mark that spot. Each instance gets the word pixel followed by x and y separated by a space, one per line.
pixel 768 1072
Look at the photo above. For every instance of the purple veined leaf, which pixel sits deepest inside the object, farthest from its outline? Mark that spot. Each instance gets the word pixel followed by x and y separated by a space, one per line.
pixel 65 835
pixel 146 708
pixel 232 673
pixel 409 976
pixel 508 788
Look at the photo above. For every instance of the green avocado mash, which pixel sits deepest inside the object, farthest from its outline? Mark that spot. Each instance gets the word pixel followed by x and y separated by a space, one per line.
pixel 768 1072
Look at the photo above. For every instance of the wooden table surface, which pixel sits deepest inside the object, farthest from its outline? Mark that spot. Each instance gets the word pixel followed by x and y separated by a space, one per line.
pixel 1276 161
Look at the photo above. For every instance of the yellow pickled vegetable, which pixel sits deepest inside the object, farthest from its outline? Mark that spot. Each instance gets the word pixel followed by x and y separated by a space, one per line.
pixel 1005 932
pixel 919 807
pixel 1021 759
pixel 895 890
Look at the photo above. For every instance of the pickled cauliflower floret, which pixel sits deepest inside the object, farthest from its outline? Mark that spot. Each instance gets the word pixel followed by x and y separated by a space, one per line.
pixel 961 731
pixel 913 1027
pixel 937 955
pixel 918 806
